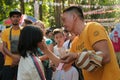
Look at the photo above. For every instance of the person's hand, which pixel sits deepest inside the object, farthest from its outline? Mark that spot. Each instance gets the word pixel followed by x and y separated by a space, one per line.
pixel 53 66
pixel 70 57
pixel 43 47
pixel 15 59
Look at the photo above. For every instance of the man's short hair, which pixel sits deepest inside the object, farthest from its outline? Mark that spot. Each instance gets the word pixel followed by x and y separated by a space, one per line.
pixel 16 11
pixel 76 9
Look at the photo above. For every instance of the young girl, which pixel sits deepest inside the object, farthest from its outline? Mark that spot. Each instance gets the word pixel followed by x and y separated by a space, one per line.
pixel 45 60
pixel 68 72
pixel 30 66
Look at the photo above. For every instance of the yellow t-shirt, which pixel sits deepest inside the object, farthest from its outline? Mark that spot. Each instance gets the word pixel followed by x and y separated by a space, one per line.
pixel 5 38
pixel 92 33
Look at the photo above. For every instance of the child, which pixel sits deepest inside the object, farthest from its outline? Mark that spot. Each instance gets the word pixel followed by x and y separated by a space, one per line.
pixel 67 46
pixel 30 66
pixel 69 72
pixel 45 60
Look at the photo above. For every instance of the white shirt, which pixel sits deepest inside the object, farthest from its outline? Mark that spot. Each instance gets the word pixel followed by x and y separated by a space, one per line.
pixel 27 69
pixel 71 74
pixel 55 50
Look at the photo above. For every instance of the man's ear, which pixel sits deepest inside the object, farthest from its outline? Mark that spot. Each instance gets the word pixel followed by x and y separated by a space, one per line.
pixel 75 16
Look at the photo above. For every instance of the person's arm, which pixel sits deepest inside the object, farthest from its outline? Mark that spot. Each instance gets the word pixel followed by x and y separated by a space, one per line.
pixel 1 48
pixel 49 53
pixel 50 47
pixel 98 46
pixel 52 56
pixel 5 49
pixel 15 58
pixel 68 58
pixel 43 57
pixel 103 47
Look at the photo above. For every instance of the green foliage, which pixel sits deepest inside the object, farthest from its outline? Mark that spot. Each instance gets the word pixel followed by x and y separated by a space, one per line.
pixel 48 11
pixel 99 5
pixel 7 2
pixel 6 7
pixel 29 8
pixel 45 12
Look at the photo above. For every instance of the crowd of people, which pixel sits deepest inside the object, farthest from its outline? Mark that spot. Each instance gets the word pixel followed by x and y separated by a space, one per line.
pixel 80 51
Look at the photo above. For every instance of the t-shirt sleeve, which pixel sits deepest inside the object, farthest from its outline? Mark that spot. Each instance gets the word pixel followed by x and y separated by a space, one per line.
pixel 4 36
pixel 73 45
pixel 96 32
pixel 72 48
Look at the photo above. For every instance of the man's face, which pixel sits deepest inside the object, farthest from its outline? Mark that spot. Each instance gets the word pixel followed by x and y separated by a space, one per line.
pixel 67 20
pixel 15 19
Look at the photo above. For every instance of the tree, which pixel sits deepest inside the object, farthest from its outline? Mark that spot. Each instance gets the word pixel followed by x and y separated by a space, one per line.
pixel 50 12
pixel 6 7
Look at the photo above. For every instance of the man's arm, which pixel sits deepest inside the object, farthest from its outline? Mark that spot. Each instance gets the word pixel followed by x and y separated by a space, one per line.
pixel 15 58
pixel 5 49
pixel 104 48
pixel 101 46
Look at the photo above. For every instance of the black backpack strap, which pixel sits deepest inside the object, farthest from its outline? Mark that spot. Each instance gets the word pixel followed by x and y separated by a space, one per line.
pixel 69 44
pixel 10 36
pixel 79 72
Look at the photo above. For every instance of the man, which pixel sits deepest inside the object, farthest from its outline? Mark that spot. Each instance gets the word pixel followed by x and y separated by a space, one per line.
pixel 92 39
pixel 10 37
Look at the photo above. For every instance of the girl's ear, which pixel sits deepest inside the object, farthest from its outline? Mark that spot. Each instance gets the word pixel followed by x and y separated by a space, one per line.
pixel 42 45
pixel 38 44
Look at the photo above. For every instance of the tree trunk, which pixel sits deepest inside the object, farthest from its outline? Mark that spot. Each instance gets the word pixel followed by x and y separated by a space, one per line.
pixel 57 13
pixel 40 11
pixel 22 6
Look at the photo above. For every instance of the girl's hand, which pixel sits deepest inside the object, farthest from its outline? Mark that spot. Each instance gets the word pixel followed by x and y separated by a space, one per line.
pixel 43 47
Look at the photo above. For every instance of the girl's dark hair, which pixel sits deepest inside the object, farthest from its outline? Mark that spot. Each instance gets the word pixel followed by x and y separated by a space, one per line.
pixel 77 10
pixel 29 38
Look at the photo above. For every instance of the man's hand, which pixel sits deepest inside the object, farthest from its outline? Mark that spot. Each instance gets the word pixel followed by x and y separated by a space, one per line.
pixel 70 57
pixel 16 59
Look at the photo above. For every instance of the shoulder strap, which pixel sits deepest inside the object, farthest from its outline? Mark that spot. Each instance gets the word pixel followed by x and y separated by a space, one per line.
pixel 69 44
pixel 10 36
pixel 38 68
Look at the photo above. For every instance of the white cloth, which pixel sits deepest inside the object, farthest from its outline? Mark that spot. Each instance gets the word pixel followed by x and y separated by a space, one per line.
pixel 55 50
pixel 71 74
pixel 27 69
pixel 66 43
